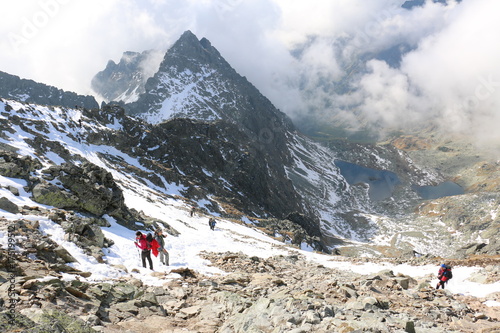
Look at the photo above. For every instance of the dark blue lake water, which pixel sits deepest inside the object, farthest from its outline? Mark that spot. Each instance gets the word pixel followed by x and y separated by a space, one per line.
pixel 381 182
pixel 445 189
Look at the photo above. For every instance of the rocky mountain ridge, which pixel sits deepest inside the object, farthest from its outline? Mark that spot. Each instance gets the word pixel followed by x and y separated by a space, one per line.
pixel 169 155
pixel 29 91
pixel 195 81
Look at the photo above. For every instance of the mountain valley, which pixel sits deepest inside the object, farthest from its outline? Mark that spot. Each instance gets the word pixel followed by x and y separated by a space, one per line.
pixel 197 135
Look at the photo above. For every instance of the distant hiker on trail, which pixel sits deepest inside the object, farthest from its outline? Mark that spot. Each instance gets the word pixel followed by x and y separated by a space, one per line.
pixel 444 275
pixel 211 223
pixel 191 212
pixel 164 256
pixel 146 244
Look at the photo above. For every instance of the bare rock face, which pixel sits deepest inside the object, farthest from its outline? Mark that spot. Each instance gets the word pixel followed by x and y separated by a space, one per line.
pixel 15 166
pixel 244 172
pixel 87 187
pixel 470 214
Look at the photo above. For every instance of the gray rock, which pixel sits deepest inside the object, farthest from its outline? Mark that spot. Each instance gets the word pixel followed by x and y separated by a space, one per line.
pixel 349 292
pixel 64 254
pixel 8 206
pixel 14 190
pixel 312 317
pixel 128 306
pixel 191 311
pixel 410 327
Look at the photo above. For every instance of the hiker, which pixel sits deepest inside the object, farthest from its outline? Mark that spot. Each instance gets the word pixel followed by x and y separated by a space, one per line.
pixel 211 223
pixel 444 275
pixel 191 212
pixel 146 244
pixel 159 237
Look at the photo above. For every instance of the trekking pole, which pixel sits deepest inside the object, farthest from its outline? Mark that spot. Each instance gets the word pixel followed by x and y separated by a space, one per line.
pixel 138 253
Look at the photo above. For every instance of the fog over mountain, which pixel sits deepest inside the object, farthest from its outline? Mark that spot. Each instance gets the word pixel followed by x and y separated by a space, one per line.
pixel 377 64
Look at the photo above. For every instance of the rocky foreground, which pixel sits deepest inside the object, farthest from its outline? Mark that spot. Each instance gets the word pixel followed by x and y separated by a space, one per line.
pixel 278 294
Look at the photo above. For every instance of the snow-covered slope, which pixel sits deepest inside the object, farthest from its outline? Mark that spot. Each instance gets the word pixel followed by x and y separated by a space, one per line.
pixel 345 213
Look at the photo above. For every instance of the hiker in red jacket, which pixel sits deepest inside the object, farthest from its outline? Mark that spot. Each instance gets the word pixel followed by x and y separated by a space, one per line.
pixel 146 244
pixel 444 275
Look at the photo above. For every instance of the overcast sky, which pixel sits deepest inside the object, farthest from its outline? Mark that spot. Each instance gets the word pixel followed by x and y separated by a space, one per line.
pixel 451 75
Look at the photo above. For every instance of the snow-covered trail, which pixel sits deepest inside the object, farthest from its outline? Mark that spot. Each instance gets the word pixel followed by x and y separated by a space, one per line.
pixel 196 236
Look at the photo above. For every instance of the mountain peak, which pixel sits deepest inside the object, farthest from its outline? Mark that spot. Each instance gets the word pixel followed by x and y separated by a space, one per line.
pixel 125 80
pixel 195 81
pixel 187 40
pixel 190 47
pixel 187 35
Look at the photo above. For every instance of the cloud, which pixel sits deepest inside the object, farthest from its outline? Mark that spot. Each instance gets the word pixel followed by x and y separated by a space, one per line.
pixel 331 60
pixel 451 79
pixel 64 42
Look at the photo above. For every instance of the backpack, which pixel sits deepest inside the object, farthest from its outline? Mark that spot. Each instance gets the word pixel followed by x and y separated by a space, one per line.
pixel 447 272
pixel 149 239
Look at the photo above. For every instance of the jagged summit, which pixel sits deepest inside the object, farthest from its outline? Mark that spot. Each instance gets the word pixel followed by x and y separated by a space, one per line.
pixel 124 81
pixel 189 48
pixel 195 81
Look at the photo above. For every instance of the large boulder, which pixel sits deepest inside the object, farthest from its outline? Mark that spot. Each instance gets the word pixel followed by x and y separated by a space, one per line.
pixel 8 206
pixel 15 166
pixel 87 187
pixel 50 194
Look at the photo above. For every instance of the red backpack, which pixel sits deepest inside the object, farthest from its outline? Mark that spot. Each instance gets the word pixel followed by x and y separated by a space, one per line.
pixel 152 244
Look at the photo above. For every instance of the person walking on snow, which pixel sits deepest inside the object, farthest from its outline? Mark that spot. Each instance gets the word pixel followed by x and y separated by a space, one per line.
pixel 444 275
pixel 211 223
pixel 164 256
pixel 146 244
